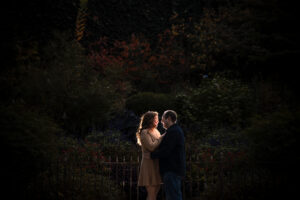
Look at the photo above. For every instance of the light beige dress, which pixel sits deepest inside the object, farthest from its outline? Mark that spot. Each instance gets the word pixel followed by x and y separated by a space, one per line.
pixel 149 169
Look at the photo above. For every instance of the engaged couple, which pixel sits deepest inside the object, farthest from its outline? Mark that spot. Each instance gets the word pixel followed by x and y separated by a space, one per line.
pixel 163 156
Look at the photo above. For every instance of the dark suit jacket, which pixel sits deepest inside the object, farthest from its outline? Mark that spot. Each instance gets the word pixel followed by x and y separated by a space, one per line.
pixel 171 152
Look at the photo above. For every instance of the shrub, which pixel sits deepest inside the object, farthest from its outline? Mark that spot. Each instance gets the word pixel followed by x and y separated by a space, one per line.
pixel 217 102
pixel 28 141
pixel 274 137
pixel 145 101
pixel 75 184
pixel 81 170
pixel 112 144
pixel 147 67
pixel 62 85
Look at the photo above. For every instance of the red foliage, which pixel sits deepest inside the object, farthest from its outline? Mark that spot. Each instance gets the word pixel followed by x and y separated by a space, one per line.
pixel 166 59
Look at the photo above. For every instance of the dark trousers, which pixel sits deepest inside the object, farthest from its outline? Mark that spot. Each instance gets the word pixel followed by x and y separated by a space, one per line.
pixel 172 184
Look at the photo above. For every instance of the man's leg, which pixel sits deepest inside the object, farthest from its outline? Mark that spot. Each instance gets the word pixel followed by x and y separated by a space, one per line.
pixel 172 184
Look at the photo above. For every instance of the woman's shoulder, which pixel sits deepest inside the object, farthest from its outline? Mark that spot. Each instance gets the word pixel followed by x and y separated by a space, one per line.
pixel 144 131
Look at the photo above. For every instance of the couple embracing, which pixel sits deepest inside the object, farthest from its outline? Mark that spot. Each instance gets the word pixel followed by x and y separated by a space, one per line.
pixel 163 156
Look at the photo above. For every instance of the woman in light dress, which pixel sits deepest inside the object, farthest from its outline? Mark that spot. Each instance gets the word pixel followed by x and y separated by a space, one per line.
pixel 149 138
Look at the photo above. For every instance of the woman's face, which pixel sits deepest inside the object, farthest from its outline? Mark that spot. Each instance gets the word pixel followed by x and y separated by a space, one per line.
pixel 155 121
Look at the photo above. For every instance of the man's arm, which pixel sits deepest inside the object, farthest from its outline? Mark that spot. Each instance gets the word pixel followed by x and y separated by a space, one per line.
pixel 166 148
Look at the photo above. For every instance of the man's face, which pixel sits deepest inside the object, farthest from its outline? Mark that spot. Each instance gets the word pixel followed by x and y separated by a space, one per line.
pixel 165 122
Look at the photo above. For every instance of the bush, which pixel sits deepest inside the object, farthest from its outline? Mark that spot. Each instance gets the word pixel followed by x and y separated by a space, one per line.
pixel 138 65
pixel 62 85
pixel 145 101
pixel 217 102
pixel 274 137
pixel 82 170
pixel 112 144
pixel 76 184
pixel 28 141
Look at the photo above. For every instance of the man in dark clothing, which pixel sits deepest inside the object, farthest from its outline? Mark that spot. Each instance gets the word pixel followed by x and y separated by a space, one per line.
pixel 171 155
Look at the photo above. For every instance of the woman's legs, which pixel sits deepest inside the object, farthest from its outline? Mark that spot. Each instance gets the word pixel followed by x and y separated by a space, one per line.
pixel 157 190
pixel 152 191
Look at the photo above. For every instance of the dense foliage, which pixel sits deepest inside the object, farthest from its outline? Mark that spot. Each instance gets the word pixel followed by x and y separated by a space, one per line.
pixel 28 142
pixel 85 71
pixel 149 101
pixel 274 136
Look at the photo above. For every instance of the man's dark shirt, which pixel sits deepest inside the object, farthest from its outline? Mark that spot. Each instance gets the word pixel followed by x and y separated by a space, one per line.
pixel 171 152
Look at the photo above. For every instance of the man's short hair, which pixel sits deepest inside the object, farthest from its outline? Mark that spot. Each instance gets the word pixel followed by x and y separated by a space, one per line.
pixel 172 114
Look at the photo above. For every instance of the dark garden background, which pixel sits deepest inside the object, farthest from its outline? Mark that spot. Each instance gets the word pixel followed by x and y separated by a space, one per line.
pixel 77 75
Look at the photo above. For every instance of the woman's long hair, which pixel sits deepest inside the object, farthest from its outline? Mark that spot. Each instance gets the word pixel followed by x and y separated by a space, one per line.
pixel 145 122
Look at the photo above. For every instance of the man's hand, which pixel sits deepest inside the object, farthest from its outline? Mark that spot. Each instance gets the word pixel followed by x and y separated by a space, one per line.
pixel 147 155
